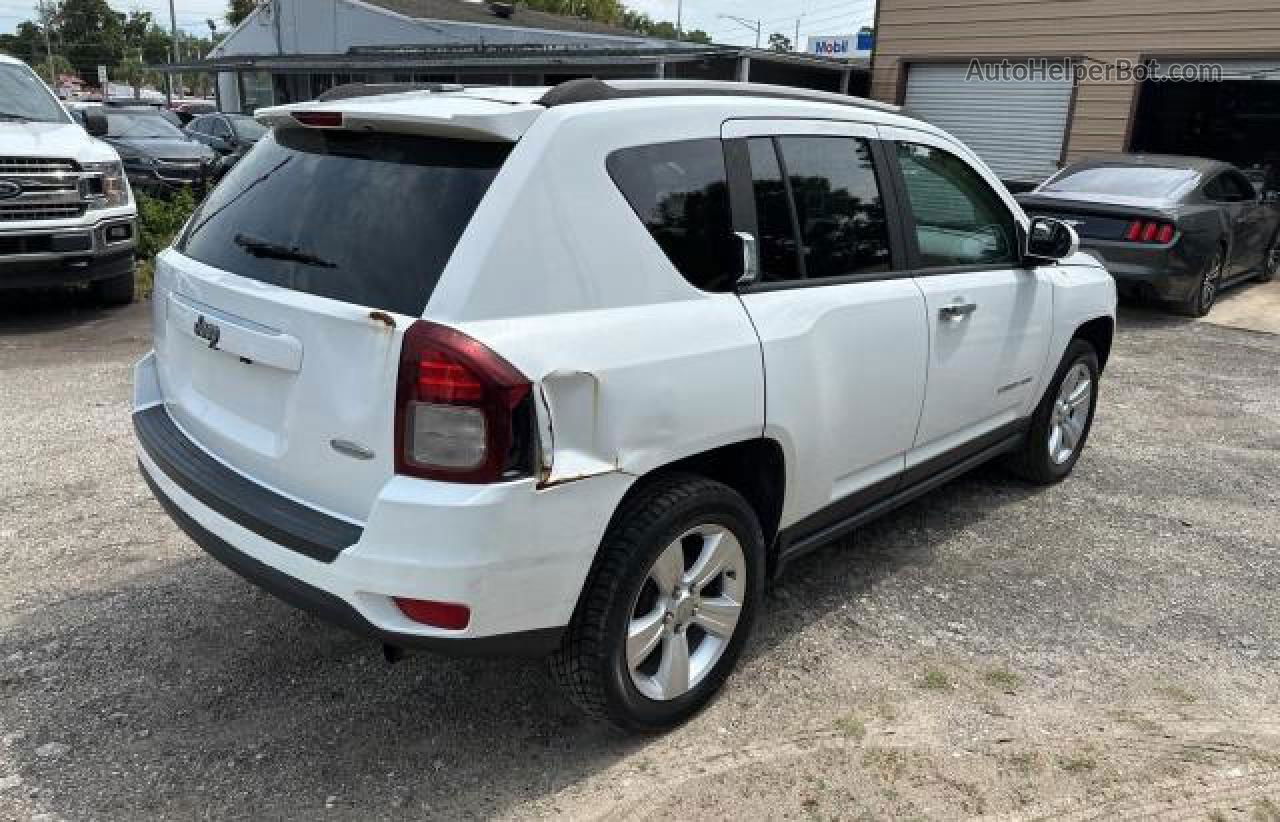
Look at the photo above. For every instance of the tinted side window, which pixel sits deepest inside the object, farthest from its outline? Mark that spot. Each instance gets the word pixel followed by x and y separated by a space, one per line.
pixel 959 219
pixel 218 128
pixel 1228 188
pixel 774 218
pixel 838 206
pixel 680 192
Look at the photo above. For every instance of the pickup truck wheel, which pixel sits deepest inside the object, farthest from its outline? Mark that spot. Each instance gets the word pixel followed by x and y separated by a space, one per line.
pixel 1061 423
pixel 113 290
pixel 667 607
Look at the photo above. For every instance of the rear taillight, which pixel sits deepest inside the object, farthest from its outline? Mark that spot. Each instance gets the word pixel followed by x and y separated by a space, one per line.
pixel 462 412
pixel 1149 231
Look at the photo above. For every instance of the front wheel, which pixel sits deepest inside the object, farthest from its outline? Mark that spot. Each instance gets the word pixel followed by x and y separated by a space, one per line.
pixel 1061 423
pixel 667 607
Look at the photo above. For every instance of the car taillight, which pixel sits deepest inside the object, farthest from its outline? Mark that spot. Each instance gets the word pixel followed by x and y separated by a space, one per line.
pixel 1149 231
pixel 461 410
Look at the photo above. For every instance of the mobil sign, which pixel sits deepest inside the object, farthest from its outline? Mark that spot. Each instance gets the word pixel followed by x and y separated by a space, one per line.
pixel 840 46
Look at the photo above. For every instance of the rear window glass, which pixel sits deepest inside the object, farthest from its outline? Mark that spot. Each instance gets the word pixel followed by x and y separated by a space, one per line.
pixel 681 193
pixel 370 219
pixel 1150 181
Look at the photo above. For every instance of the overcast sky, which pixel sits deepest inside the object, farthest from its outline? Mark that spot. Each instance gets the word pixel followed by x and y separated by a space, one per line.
pixel 817 17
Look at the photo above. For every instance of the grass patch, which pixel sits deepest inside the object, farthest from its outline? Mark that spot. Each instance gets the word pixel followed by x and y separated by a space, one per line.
pixel 1176 693
pixel 1002 679
pixel 851 726
pixel 935 680
pixel 888 763
pixel 1140 722
pixel 1265 810
pixel 1216 815
pixel 1028 762
pixel 1079 762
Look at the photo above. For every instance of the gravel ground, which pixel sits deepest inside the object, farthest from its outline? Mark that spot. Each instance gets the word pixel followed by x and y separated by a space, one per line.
pixel 1105 648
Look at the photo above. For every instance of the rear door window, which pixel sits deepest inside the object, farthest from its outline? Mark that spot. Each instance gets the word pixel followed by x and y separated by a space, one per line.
pixel 819 211
pixel 680 192
pixel 839 211
pixel 369 219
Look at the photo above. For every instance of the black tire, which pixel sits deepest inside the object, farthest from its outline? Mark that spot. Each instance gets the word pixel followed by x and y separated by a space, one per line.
pixel 591 662
pixel 113 290
pixel 1207 287
pixel 1033 461
pixel 1270 261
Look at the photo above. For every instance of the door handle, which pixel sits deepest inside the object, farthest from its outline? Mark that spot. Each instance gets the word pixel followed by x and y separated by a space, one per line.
pixel 957 311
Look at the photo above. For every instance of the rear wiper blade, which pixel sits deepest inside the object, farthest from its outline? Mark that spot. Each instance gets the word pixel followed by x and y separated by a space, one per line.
pixel 262 248
pixel 8 115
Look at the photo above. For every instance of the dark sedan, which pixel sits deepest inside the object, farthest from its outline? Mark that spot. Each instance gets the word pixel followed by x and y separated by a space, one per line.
pixel 1172 228
pixel 157 155
pixel 230 135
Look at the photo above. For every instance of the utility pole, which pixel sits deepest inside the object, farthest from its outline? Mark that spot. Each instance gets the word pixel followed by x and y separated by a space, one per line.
pixel 753 25
pixel 173 52
pixel 46 19
pixel 679 18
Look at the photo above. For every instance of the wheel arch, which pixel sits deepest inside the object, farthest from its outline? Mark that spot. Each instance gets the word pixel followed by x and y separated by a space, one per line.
pixel 1100 333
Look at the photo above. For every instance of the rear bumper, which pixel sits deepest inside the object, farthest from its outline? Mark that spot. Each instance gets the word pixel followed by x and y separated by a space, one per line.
pixel 516 555
pixel 1162 273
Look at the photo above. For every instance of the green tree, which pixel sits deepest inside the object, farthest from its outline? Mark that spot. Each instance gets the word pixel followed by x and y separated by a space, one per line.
pixel 237 10
pixel 779 42
pixel 89 33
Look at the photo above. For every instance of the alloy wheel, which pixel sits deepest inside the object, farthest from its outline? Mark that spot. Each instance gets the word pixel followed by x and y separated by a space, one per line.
pixel 685 614
pixel 1070 415
pixel 1209 284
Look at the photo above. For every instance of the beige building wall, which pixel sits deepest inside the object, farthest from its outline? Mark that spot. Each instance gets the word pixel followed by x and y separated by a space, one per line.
pixel 1104 30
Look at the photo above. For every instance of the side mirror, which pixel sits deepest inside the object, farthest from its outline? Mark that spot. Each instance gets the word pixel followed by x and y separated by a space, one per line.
pixel 1050 241
pixel 95 121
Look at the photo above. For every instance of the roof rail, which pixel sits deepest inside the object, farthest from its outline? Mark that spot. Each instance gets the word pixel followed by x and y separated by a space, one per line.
pixel 348 91
pixel 590 90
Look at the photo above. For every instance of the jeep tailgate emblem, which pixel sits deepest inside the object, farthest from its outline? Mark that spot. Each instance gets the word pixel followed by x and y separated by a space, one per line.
pixel 206 330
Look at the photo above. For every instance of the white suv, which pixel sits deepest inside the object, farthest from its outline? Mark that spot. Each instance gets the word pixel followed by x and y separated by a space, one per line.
pixel 575 371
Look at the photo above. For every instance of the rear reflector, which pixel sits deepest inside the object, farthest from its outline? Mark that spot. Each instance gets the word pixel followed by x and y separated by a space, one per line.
pixel 319 119
pixel 447 615
pixel 1150 231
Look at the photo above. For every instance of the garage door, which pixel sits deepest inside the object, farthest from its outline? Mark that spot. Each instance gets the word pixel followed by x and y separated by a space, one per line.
pixel 1016 126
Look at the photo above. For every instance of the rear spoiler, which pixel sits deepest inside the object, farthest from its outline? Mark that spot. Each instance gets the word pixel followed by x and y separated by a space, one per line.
pixel 439 115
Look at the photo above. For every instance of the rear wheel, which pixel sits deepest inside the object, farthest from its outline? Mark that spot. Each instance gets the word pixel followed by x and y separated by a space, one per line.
pixel 116 290
pixel 1199 304
pixel 668 605
pixel 1061 423
pixel 1270 261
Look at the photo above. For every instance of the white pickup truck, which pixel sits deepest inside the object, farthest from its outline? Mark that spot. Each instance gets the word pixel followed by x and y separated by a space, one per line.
pixel 67 215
